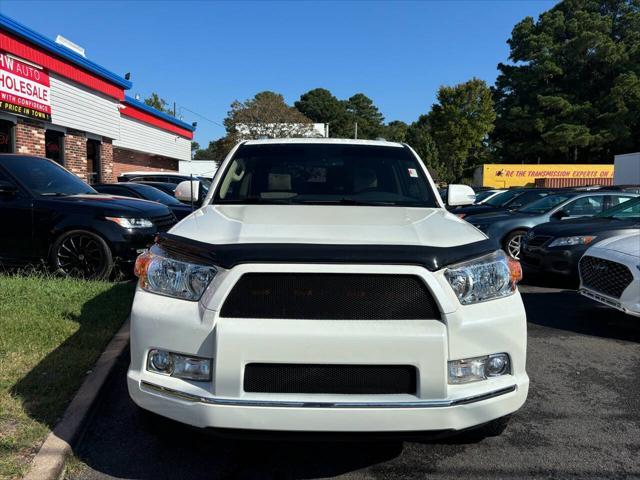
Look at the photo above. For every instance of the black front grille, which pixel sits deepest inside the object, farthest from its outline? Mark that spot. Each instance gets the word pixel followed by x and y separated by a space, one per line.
pixel 537 240
pixel 605 276
pixel 328 379
pixel 329 296
pixel 164 222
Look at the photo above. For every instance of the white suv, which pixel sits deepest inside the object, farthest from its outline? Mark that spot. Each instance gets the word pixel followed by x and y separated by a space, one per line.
pixel 324 287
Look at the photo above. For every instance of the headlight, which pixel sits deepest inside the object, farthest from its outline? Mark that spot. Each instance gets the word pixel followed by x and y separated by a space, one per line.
pixel 180 366
pixel 492 276
pixel 173 278
pixel 479 368
pixel 570 241
pixel 131 222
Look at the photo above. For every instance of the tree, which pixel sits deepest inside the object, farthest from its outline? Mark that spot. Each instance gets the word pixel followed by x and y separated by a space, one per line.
pixel 395 131
pixel 573 90
pixel 158 103
pixel 195 146
pixel 361 110
pixel 216 150
pixel 321 106
pixel 419 138
pixel 460 124
pixel 266 115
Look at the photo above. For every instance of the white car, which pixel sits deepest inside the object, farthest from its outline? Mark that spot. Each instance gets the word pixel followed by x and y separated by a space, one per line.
pixel 323 287
pixel 610 272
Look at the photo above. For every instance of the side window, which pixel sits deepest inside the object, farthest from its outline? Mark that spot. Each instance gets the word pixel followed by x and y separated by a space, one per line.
pixel 6 180
pixel 585 206
pixel 615 200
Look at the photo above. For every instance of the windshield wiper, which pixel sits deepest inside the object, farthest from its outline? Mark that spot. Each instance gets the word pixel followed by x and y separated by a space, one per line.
pixel 54 194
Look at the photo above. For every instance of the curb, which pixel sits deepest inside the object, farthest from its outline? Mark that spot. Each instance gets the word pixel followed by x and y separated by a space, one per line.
pixel 49 462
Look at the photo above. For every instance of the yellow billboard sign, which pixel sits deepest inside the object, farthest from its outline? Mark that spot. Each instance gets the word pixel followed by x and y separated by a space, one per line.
pixel 503 175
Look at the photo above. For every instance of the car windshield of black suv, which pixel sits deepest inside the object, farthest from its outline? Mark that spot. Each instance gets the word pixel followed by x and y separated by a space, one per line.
pixel 544 204
pixel 45 177
pixel 629 210
pixel 325 174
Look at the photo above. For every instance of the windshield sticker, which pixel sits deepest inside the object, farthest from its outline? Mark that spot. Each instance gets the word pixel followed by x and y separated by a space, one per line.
pixel 413 172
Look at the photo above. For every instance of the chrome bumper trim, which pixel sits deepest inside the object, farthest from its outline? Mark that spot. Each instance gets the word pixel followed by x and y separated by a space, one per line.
pixel 276 403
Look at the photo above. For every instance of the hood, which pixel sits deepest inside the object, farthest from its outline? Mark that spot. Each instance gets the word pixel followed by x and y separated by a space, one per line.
pixel 496 217
pixel 109 205
pixel 326 224
pixel 583 226
pixel 628 243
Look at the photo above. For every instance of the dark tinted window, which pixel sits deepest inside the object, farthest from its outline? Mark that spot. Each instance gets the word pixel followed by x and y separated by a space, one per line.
pixel 44 177
pixel 525 198
pixel 325 174
pixel 502 198
pixel 152 193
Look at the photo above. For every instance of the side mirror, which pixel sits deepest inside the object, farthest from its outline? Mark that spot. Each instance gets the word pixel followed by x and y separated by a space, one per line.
pixel 560 214
pixel 7 189
pixel 188 191
pixel 458 195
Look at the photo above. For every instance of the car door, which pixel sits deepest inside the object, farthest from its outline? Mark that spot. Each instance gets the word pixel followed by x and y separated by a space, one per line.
pixel 16 218
pixel 586 206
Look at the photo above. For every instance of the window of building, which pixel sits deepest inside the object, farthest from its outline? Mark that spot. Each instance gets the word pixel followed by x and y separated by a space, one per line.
pixel 93 161
pixel 6 136
pixel 54 146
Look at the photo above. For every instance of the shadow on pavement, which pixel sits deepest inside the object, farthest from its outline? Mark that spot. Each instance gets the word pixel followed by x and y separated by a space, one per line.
pixel 578 314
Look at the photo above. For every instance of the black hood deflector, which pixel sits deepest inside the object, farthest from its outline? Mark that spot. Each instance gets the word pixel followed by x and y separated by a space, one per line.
pixel 229 255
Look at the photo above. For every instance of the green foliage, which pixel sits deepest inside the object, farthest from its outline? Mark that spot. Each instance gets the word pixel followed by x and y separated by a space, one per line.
pixel 573 91
pixel 158 103
pixel 265 115
pixel 321 106
pixel 460 123
pixel 395 131
pixel 419 138
pixel 216 150
pixel 361 110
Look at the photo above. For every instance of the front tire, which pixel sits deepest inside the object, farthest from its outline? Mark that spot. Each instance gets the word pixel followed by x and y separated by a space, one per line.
pixel 513 243
pixel 81 254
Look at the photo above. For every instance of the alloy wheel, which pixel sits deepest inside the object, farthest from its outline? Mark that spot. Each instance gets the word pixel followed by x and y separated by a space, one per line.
pixel 513 247
pixel 81 255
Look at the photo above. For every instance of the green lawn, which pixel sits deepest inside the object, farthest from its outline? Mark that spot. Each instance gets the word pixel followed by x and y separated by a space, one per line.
pixel 52 331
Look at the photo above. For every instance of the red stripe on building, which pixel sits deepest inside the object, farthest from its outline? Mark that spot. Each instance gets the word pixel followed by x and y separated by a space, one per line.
pixel 25 50
pixel 129 111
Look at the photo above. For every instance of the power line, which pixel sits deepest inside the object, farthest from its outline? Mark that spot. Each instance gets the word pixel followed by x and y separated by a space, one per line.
pixel 201 116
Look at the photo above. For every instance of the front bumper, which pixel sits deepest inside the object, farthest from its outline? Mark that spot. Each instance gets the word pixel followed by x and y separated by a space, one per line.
pixel 558 261
pixel 198 329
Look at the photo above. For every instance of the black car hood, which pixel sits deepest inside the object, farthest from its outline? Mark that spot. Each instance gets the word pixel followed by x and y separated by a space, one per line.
pixel 476 209
pixel 496 216
pixel 583 226
pixel 108 204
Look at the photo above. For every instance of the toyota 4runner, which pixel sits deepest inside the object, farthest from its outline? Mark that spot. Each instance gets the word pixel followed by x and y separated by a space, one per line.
pixel 324 287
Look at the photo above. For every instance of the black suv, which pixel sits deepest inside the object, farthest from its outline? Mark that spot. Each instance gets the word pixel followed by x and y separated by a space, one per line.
pixel 49 214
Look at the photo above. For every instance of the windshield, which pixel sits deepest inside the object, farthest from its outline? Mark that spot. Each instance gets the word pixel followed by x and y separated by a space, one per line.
pixel 153 194
pixel 502 198
pixel 45 177
pixel 480 196
pixel 545 204
pixel 325 174
pixel 629 210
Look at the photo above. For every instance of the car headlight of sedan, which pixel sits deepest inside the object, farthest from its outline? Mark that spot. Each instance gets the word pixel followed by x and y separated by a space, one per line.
pixel 571 241
pixel 131 222
pixel 492 276
pixel 171 277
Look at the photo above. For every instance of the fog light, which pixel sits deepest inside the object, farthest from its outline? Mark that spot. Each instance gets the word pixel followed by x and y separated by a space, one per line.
pixel 478 368
pixel 179 366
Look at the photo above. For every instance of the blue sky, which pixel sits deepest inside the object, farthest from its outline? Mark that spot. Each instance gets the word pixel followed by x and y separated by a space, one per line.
pixel 203 55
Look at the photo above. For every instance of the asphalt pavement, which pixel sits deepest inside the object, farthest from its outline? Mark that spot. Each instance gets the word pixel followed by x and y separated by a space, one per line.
pixel 581 421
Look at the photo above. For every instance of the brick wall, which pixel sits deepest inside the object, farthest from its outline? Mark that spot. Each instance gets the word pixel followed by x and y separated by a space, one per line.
pixel 75 153
pixel 106 161
pixel 129 161
pixel 29 138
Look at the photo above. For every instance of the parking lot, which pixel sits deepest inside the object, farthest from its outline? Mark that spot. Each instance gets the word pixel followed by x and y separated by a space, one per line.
pixel 582 420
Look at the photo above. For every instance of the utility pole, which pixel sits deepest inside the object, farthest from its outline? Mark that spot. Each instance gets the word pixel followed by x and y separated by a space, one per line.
pixel 356 131
pixel 174 109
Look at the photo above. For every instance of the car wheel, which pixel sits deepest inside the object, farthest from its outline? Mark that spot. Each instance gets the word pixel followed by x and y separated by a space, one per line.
pixel 81 254
pixel 513 242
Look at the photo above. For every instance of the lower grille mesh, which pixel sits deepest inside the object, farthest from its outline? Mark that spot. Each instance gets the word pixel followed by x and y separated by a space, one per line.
pixel 605 276
pixel 325 296
pixel 329 379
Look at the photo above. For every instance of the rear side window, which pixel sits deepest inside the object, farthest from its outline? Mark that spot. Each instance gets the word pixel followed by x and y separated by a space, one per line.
pixel 585 206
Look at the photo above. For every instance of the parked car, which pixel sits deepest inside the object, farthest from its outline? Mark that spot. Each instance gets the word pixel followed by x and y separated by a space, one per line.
pixel 556 247
pixel 146 192
pixel 328 289
pixel 167 177
pixel 166 187
pixel 609 273
pixel 509 227
pixel 486 195
pixel 51 215
pixel 507 200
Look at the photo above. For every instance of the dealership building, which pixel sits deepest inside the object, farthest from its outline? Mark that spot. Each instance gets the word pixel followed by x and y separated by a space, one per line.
pixel 56 103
